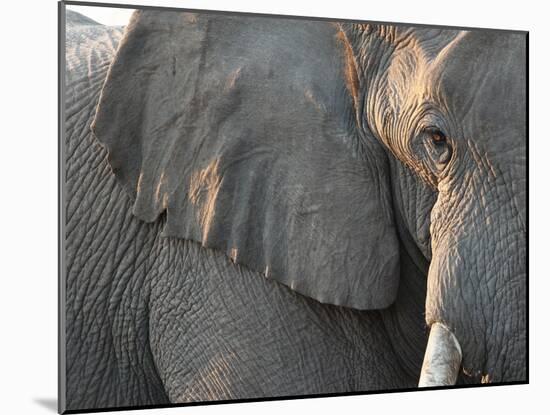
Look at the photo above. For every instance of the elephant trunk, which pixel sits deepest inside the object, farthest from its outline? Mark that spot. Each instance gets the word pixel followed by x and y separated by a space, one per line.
pixel 442 359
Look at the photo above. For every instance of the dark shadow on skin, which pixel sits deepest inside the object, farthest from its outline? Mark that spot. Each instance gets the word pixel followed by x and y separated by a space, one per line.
pixel 48 403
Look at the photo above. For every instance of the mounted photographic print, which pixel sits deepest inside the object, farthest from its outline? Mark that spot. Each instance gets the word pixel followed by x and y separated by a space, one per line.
pixel 258 207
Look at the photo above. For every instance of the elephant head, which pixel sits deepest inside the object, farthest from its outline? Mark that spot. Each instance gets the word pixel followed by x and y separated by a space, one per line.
pixel 310 152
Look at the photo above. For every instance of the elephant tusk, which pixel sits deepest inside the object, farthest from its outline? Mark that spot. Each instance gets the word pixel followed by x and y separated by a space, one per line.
pixel 442 359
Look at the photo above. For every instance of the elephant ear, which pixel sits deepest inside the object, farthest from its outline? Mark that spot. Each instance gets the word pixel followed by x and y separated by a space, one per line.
pixel 243 129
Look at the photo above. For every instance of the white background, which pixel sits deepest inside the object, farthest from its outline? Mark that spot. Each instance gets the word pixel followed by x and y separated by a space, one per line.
pixel 28 208
pixel 109 16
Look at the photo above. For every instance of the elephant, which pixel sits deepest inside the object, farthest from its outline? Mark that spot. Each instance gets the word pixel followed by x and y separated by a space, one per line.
pixel 262 207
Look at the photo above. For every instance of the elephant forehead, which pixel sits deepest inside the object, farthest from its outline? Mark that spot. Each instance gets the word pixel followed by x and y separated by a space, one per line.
pixel 482 79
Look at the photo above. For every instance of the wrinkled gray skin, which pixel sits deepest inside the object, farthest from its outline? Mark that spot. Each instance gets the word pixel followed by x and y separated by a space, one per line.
pixel 355 230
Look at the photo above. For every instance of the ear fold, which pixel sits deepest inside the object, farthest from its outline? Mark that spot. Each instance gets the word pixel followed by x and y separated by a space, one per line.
pixel 243 130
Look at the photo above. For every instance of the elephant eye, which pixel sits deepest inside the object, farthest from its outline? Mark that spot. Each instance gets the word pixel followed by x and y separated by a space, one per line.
pixel 437 136
pixel 438 146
